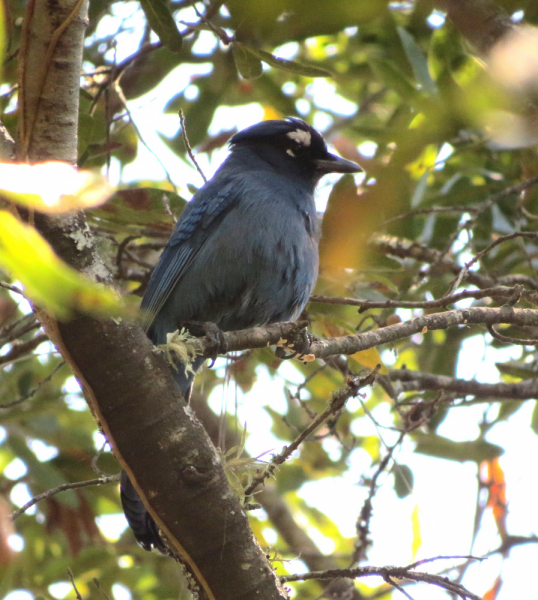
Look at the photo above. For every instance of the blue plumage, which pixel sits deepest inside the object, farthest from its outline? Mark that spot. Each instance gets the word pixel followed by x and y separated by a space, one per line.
pixel 244 251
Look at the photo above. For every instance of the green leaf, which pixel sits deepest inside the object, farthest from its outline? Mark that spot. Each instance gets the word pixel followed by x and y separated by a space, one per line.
pixel 393 78
pixel 403 480
pixel 249 65
pixel 477 451
pixel 534 419
pixel 161 21
pixel 418 62
pixel 517 369
pixel 47 280
pixel 280 429
pixel 286 65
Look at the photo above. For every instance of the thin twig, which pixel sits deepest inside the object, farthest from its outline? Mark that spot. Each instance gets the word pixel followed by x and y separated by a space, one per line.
pixel 95 459
pixel 33 391
pixel 492 292
pixel 62 488
pixel 121 248
pixel 426 561
pixel 510 340
pixel 123 100
pixel 218 31
pixel 100 589
pixel 387 573
pixel 388 579
pixel 18 350
pixel 12 288
pixel 15 329
pixel 503 238
pixel 188 146
pixel 430 210
pixel 337 402
pixel 72 580
pixel 363 521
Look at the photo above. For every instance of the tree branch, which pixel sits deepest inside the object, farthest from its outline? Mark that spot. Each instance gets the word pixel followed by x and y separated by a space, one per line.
pixel 336 404
pixel 493 292
pixel 418 381
pixel 7 145
pixel 129 386
pixel 62 488
pixel 261 337
pixel 387 573
pixel 34 390
pixel 279 513
pixel 22 348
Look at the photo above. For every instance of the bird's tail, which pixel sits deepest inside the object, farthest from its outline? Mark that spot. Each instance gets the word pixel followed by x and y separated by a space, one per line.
pixel 140 521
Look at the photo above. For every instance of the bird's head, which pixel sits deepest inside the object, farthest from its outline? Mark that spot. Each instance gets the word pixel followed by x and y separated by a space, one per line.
pixel 292 145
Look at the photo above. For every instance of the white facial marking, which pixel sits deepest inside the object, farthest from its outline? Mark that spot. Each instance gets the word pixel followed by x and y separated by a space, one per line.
pixel 290 152
pixel 300 136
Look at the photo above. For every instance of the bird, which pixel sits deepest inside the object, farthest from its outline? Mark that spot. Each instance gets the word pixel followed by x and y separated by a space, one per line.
pixel 243 253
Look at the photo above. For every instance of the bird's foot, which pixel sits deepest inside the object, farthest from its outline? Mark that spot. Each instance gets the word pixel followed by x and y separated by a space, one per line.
pixel 214 334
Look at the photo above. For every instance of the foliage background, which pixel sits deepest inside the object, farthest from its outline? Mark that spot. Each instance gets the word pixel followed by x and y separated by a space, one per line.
pixel 393 86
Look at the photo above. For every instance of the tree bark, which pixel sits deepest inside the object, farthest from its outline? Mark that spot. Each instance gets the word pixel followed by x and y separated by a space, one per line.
pixel 128 386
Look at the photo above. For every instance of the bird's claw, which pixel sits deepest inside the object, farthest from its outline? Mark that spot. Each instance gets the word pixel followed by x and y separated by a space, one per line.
pixel 214 334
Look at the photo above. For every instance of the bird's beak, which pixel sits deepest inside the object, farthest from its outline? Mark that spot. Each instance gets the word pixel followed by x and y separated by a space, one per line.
pixel 335 164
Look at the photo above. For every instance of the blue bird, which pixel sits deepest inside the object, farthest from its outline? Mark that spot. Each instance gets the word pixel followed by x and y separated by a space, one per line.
pixel 243 253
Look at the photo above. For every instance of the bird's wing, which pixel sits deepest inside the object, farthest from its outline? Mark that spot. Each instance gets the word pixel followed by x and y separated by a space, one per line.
pixel 195 226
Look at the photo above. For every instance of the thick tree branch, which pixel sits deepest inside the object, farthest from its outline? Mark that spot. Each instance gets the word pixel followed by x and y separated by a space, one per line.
pixel 300 544
pixel 411 381
pixel 128 386
pixel 261 337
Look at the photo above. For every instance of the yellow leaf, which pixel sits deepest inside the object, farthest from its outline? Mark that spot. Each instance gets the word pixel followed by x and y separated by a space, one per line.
pixel 417 538
pixel 46 279
pixel 269 113
pixel 425 162
pixel 53 187
pixel 370 358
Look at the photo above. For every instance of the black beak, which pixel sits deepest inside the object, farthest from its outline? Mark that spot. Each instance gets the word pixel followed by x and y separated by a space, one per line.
pixel 335 164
